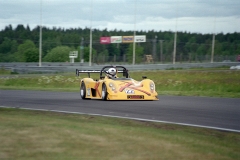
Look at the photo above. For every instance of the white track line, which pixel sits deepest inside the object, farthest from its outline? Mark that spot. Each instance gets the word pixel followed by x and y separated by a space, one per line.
pixel 138 119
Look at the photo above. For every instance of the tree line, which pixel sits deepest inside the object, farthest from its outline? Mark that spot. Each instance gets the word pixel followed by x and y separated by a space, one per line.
pixel 21 44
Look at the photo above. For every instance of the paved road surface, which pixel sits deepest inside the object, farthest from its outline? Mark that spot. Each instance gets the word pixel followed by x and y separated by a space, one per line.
pixel 203 111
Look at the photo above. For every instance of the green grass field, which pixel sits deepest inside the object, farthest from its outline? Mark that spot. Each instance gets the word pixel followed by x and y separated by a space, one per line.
pixel 46 135
pixel 217 83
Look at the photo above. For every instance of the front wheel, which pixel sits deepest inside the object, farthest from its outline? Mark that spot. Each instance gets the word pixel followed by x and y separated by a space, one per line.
pixel 83 90
pixel 104 92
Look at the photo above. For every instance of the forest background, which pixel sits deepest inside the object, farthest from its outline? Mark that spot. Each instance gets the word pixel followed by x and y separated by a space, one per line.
pixel 21 44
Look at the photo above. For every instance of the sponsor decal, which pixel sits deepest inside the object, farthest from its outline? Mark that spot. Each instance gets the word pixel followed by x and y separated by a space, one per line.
pixel 96 88
pixel 135 97
pixel 116 39
pixel 105 40
pixel 130 85
pixel 88 92
pixel 127 39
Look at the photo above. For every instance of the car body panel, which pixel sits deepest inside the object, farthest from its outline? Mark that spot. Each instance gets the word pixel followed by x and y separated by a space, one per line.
pixel 119 88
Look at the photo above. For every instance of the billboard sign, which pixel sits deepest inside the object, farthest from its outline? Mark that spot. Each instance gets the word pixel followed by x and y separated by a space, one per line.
pixel 116 39
pixel 105 40
pixel 127 39
pixel 140 38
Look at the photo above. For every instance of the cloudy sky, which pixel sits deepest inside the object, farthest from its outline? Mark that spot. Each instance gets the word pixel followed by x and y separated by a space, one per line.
pixel 198 16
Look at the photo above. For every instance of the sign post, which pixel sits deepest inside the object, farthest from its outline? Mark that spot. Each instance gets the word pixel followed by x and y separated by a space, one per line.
pixel 72 55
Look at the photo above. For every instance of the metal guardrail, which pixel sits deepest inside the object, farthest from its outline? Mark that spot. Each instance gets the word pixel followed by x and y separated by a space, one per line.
pixel 71 67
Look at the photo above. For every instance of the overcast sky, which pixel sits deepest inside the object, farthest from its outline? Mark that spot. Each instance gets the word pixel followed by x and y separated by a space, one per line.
pixel 198 16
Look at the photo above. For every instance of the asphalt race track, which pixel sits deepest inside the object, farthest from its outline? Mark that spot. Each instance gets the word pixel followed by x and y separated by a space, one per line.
pixel 218 113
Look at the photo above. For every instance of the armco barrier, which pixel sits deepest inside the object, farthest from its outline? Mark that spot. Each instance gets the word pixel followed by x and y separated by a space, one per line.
pixel 70 67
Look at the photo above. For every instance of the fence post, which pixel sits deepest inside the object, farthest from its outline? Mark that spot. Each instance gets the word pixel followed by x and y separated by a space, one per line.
pixel 180 57
pixel 189 57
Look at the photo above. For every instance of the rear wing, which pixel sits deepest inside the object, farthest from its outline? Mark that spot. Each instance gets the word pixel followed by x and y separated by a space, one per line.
pixel 90 71
pixel 87 71
pixel 120 69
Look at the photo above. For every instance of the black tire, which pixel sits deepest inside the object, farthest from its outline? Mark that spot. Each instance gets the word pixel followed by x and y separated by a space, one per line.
pixel 83 91
pixel 104 92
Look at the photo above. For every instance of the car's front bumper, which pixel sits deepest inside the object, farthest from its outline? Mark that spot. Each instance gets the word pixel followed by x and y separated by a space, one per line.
pixel 123 96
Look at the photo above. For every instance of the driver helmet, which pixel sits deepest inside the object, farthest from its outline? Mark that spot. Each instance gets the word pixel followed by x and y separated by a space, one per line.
pixel 112 73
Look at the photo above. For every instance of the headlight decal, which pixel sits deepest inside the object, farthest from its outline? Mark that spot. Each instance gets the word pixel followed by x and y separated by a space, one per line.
pixel 112 86
pixel 152 87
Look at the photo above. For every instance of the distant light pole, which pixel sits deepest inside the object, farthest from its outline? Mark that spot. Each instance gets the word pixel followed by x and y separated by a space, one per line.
pixel 161 50
pixel 81 51
pixel 175 47
pixel 40 36
pixel 213 44
pixel 175 38
pixel 213 39
pixel 134 34
pixel 90 50
pixel 154 47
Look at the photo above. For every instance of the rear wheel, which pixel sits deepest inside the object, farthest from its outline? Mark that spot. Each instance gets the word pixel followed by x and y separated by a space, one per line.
pixel 83 90
pixel 104 92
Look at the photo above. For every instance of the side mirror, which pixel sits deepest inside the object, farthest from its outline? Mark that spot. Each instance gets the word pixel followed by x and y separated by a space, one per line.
pixel 144 77
pixel 102 77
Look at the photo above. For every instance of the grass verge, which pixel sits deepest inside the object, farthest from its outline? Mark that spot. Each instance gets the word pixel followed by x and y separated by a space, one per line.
pixel 48 135
pixel 217 83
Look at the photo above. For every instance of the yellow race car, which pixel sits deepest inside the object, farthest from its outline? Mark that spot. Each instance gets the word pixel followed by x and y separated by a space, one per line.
pixel 112 87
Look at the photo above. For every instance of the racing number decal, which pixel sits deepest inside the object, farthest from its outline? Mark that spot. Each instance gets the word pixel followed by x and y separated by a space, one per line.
pixel 129 91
